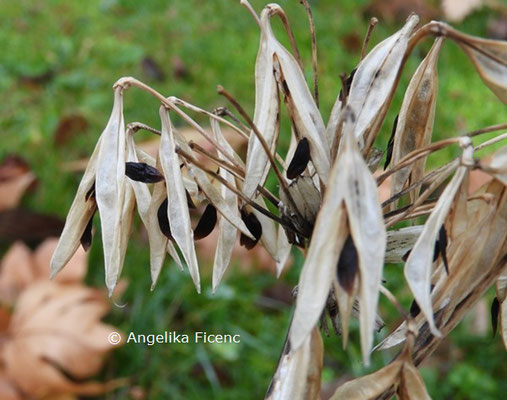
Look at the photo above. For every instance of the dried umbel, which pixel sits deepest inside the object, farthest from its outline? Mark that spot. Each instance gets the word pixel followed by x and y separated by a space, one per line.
pixel 328 203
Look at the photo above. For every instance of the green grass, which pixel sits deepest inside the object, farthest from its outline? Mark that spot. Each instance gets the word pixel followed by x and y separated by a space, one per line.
pixel 88 45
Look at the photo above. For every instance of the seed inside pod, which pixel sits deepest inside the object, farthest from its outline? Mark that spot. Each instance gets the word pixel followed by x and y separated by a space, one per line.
pixel 163 220
pixel 206 223
pixel 86 237
pixel 390 143
pixel 255 228
pixel 142 172
pixel 300 160
pixel 347 265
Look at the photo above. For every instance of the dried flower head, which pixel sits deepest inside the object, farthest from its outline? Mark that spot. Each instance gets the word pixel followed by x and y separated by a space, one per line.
pixel 328 202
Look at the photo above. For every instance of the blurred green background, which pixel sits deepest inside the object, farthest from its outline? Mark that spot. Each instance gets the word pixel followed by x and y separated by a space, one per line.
pixel 59 60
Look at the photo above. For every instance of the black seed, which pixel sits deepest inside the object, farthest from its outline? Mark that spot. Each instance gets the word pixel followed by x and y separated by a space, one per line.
pixel 495 310
pixel 142 172
pixel 300 160
pixel 87 236
pixel 390 143
pixel 255 228
pixel 414 309
pixel 347 265
pixel 90 194
pixel 442 247
pixel 348 83
pixel 405 256
pixel 163 220
pixel 206 223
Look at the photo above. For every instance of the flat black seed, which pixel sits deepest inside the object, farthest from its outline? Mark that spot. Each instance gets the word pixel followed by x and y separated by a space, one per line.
pixel 348 83
pixel 90 194
pixel 142 172
pixel 442 247
pixel 300 160
pixel 414 307
pixel 206 223
pixel 390 143
pixel 87 236
pixel 347 267
pixel 495 311
pixel 255 228
pixel 163 220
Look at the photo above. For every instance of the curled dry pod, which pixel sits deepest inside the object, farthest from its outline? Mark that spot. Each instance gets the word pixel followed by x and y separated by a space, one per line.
pixel 415 121
pixel 301 105
pixel 227 232
pixel 142 172
pixel 298 374
pixel 110 188
pixel 418 267
pixel 81 211
pixel 178 214
pixel 489 58
pixel 266 117
pixel 374 83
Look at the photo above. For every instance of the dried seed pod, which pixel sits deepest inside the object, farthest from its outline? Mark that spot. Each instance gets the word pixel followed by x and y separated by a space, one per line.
pixel 266 117
pixel 142 172
pixel 415 123
pixel 300 160
pixel 489 58
pixel 78 217
pixel 374 83
pixel 178 214
pixel 110 188
pixel 206 223
pixel 418 267
pixel 301 105
pixel 227 232
pixel 298 374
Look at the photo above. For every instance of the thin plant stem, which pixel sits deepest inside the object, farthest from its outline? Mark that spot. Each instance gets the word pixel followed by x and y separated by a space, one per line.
pixel 373 22
pixel 314 52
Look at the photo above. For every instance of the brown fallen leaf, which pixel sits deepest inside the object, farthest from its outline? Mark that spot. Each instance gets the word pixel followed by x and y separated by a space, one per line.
pixel 15 178
pixel 56 340
pixel 68 127
pixel 21 267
